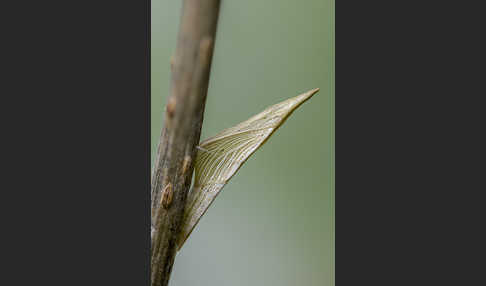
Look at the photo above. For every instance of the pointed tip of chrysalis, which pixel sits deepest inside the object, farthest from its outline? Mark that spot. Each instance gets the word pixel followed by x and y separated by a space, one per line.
pixel 239 141
pixel 301 98
pixel 306 95
pixel 311 92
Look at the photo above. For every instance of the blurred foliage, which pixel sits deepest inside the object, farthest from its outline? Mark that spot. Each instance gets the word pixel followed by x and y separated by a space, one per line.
pixel 273 222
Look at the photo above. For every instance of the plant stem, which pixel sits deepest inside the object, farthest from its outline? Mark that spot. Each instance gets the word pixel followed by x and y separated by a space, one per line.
pixel 171 177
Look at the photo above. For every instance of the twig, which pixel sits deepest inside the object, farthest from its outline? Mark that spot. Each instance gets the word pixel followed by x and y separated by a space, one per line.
pixel 175 157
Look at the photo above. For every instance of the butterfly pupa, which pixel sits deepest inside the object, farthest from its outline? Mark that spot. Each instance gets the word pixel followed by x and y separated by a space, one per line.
pixel 219 157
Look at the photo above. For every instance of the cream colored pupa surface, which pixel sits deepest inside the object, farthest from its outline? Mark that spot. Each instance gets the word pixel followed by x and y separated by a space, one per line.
pixel 220 156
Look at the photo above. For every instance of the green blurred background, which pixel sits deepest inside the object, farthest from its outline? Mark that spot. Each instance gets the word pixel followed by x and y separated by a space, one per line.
pixel 273 223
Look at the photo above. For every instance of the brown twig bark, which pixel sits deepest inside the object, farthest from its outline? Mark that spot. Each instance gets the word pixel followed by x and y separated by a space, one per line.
pixel 171 177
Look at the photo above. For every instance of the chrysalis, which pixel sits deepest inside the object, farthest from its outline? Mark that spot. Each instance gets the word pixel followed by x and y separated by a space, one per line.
pixel 219 157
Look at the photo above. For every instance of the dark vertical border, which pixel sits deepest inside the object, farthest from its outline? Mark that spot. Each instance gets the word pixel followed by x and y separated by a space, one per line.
pixel 77 78
pixel 409 158
pixel 148 138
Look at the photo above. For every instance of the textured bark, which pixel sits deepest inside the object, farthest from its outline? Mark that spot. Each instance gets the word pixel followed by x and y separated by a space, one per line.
pixel 171 177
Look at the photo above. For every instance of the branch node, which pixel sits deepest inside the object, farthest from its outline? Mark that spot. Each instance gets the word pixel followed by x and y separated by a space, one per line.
pixel 170 108
pixel 185 164
pixel 205 50
pixel 172 63
pixel 167 195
